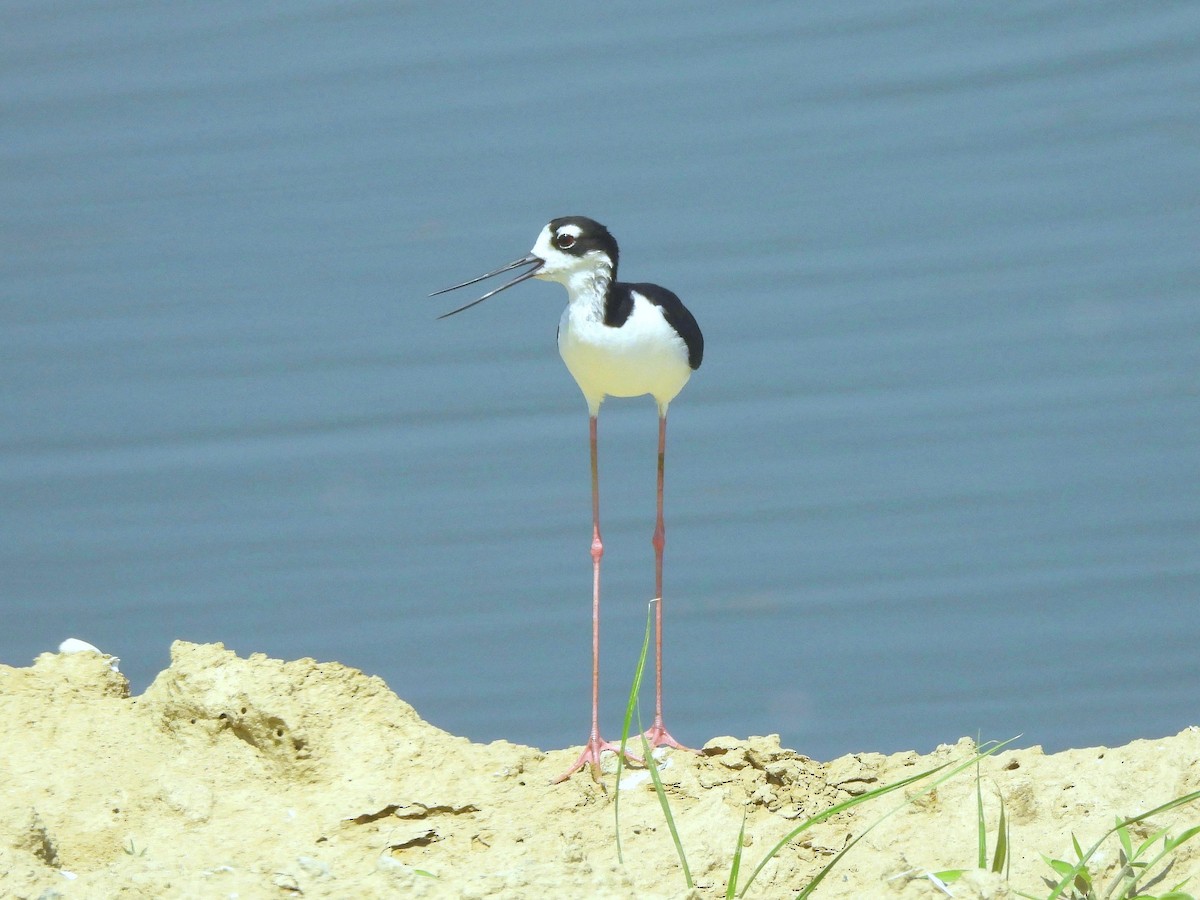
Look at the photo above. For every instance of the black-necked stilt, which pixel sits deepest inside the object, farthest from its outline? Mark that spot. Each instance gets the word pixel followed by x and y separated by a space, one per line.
pixel 619 340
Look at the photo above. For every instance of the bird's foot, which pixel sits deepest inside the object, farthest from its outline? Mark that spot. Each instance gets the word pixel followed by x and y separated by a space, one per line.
pixel 591 757
pixel 658 736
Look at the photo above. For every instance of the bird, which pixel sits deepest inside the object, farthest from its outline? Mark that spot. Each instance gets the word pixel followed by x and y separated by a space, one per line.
pixel 617 339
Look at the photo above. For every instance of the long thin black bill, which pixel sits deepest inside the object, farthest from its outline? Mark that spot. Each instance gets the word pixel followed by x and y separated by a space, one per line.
pixel 515 264
pixel 536 262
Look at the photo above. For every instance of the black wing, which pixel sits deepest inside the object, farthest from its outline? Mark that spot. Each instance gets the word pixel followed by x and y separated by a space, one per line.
pixel 620 305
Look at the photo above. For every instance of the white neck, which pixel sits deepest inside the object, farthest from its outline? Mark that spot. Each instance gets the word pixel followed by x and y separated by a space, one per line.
pixel 587 287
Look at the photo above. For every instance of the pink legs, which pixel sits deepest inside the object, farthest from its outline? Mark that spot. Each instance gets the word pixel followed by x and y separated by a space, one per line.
pixel 595 744
pixel 657 734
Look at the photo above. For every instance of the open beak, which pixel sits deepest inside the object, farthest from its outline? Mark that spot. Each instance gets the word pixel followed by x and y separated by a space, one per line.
pixel 535 261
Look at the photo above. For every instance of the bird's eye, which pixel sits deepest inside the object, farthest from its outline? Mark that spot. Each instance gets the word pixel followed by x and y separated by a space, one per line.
pixel 564 241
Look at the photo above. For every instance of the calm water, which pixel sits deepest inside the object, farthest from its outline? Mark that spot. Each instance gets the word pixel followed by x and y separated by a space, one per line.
pixel 938 475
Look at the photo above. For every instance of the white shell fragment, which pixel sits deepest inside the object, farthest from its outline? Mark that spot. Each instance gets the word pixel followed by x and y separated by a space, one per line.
pixel 75 645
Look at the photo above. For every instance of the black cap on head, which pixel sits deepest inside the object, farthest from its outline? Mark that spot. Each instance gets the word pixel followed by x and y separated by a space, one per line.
pixel 579 235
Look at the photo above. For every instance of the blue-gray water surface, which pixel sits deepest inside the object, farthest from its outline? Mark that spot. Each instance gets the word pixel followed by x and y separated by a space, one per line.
pixel 938 475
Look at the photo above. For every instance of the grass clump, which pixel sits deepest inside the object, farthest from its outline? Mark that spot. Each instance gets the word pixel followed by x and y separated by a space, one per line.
pixel 732 890
pixel 1144 864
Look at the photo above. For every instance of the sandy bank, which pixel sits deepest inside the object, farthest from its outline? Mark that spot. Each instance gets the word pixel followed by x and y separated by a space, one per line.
pixel 255 778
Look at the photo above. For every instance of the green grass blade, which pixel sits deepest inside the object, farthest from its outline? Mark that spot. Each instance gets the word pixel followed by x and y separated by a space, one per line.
pixel 731 887
pixel 1061 866
pixel 1147 843
pixel 1000 860
pixel 1080 867
pixel 949 876
pixel 828 867
pixel 973 761
pixel 1169 844
pixel 1126 841
pixel 1172 843
pixel 980 822
pixel 630 706
pixel 871 795
pixel 652 765
pixel 833 811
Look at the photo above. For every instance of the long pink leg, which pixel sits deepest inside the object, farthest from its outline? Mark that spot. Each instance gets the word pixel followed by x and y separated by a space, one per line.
pixel 657 734
pixel 595 744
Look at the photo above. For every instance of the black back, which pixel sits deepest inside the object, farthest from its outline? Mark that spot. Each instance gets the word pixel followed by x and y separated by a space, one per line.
pixel 619 304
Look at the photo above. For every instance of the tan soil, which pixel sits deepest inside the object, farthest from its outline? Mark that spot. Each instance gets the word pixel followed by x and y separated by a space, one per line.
pixel 256 778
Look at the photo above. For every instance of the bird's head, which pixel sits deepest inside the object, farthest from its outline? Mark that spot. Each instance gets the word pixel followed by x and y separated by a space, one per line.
pixel 570 250
pixel 573 246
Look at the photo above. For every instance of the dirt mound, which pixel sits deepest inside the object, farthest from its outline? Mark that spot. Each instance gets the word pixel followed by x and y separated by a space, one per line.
pixel 255 778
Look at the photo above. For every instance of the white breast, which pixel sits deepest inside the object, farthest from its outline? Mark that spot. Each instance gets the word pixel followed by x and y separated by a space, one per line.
pixel 642 356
